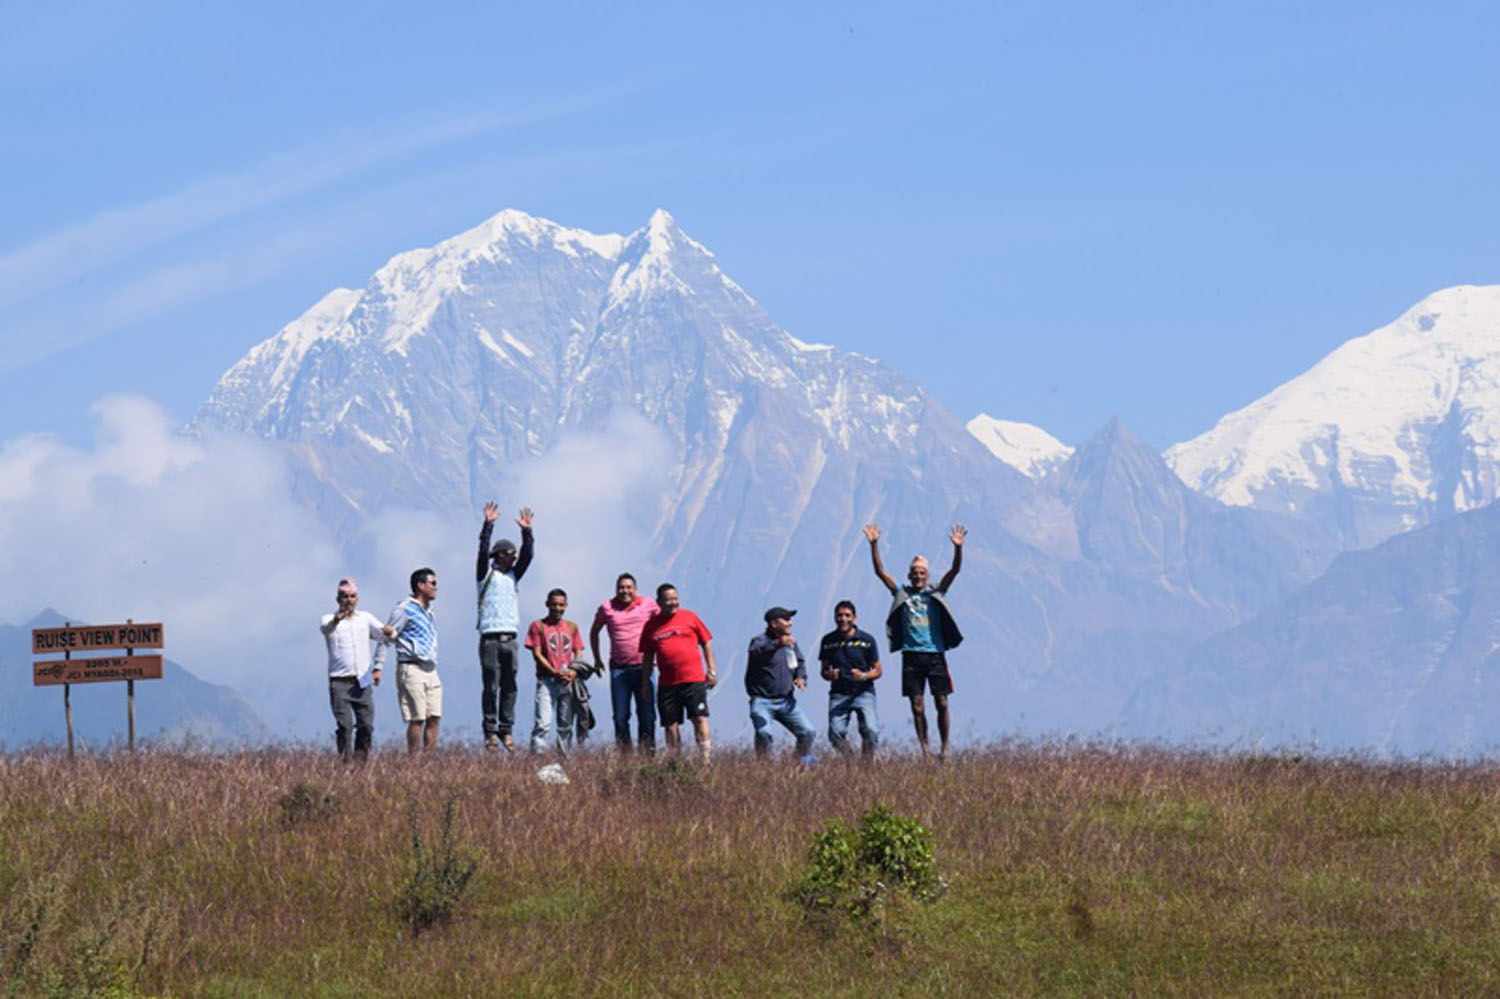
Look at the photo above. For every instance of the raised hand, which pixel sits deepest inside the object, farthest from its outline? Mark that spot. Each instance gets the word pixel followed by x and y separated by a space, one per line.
pixel 872 533
pixel 957 535
pixel 523 520
pixel 491 512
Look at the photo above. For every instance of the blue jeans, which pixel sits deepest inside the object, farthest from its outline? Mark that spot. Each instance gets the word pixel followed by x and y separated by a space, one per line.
pixel 764 710
pixel 625 688
pixel 552 694
pixel 862 706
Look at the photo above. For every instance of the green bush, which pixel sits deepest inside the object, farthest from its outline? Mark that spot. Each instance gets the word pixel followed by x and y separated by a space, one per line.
pixel 852 870
pixel 899 848
pixel 435 879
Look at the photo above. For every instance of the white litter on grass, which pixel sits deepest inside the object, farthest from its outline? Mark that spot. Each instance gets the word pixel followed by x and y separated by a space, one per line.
pixel 552 773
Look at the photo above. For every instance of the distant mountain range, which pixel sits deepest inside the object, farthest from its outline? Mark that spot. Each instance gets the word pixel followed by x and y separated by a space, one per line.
pixel 1393 649
pixel 178 708
pixel 453 365
pixel 1091 570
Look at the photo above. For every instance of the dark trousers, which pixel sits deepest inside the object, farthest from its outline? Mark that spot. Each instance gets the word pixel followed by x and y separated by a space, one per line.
pixel 625 688
pixel 353 708
pixel 497 667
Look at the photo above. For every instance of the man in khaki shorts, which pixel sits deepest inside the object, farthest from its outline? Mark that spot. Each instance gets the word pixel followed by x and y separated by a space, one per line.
pixel 418 689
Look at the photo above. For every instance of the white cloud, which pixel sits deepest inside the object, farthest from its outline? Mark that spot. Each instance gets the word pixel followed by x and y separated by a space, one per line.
pixel 205 536
pixel 594 495
pixel 147 524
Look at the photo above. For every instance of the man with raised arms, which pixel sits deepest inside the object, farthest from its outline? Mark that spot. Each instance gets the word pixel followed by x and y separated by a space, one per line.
pixel 921 627
pixel 672 640
pixel 498 574
pixel 348 633
pixel 624 616
pixel 419 691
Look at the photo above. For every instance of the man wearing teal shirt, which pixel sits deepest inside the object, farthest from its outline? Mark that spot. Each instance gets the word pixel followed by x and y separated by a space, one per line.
pixel 920 626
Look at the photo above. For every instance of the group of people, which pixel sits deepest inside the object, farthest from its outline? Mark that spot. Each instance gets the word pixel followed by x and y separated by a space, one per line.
pixel 661 660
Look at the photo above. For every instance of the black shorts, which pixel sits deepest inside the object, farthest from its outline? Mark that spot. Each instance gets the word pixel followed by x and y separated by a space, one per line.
pixel 929 668
pixel 679 698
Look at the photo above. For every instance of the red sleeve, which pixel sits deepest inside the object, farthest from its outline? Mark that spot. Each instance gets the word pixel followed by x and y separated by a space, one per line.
pixel 577 640
pixel 534 636
pixel 704 635
pixel 599 617
pixel 648 636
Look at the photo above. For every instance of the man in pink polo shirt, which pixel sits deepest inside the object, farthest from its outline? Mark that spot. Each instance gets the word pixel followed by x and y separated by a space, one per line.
pixel 624 616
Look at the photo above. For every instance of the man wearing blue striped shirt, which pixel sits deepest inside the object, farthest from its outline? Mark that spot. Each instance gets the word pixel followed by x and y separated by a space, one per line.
pixel 418 689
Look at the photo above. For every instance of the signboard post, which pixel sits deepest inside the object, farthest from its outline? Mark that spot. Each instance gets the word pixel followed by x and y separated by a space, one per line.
pixel 68 671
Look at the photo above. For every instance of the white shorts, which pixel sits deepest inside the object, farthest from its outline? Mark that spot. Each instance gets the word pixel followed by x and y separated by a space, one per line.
pixel 419 692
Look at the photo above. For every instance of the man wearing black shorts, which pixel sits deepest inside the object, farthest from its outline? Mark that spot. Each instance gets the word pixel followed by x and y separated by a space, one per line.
pixel 672 640
pixel 920 626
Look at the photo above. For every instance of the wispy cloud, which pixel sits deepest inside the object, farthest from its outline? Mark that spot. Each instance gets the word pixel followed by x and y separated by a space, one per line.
pixel 58 326
pixel 38 329
pixel 74 251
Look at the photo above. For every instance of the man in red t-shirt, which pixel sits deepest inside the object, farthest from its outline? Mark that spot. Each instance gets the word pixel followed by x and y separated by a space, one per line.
pixel 671 640
pixel 554 643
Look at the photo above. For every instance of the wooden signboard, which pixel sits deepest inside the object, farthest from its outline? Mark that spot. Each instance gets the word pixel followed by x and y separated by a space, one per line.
pixel 96 638
pixel 50 672
pixel 89 638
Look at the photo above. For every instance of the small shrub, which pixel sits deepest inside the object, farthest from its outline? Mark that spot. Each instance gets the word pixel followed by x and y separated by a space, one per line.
pixel 832 867
pixel 435 879
pixel 22 929
pixel 656 780
pixel 1080 916
pixel 900 848
pixel 305 803
pixel 101 962
pixel 852 870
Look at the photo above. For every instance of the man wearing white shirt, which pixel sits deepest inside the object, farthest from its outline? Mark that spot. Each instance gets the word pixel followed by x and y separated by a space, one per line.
pixel 348 633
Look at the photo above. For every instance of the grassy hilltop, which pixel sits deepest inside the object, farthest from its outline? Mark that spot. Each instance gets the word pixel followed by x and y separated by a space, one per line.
pixel 1069 871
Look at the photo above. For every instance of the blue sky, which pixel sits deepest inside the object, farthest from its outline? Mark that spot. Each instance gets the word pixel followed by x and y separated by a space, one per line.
pixel 1056 213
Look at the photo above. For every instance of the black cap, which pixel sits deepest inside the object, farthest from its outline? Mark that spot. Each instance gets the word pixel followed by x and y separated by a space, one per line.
pixel 503 545
pixel 776 612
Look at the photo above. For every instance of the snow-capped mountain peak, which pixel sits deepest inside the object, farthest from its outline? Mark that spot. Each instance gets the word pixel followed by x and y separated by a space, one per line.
pixel 661 257
pixel 1028 449
pixel 1389 431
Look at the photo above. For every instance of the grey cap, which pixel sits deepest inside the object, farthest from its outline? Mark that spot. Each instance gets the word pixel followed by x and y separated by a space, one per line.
pixel 503 545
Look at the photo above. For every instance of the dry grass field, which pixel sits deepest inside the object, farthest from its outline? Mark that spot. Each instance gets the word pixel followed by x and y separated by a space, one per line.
pixel 1070 871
